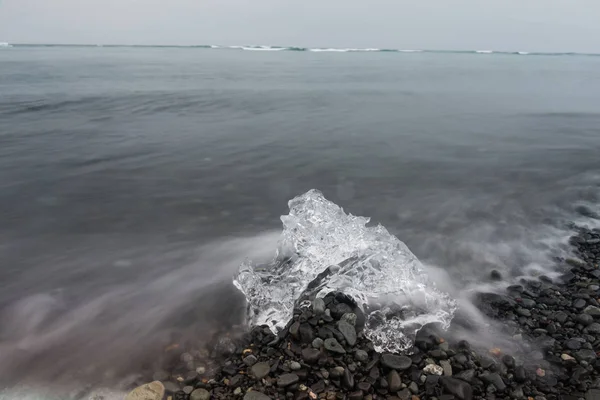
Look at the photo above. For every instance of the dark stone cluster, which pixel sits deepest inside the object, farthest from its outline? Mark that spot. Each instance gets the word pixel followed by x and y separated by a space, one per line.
pixel 323 353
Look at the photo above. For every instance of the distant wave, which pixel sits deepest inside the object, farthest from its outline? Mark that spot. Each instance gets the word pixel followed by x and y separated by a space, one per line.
pixel 265 48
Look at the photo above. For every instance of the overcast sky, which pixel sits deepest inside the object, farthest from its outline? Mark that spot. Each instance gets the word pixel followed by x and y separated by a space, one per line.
pixel 514 25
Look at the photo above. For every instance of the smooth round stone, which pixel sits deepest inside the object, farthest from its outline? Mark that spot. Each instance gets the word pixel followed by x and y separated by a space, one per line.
pixel 250 360
pixel 337 372
pixel 319 306
pixel 361 355
pixel 260 370
pixel 348 331
pixel 150 391
pixel 252 395
pixel 573 344
pixel 200 394
pixel 594 328
pixel 295 366
pixel 579 303
pixel 171 387
pixel 334 346
pixel 394 381
pixel 286 380
pixel 317 343
pixel 188 389
pixel 310 355
pixel 399 363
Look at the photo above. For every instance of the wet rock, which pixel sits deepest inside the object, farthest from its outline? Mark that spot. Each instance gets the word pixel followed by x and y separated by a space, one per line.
pixel 361 355
pixel 295 330
pixel 200 394
pixel 260 370
pixel 252 395
pixel 317 343
pixel 585 319
pixel 592 394
pixel 356 396
pixel 394 381
pixel 447 367
pixel 508 360
pixel 413 387
pixel 494 379
pixel 365 387
pixel 404 394
pixel 457 387
pixel 399 363
pixel 340 309
pixel 593 311
pixel 225 347
pixel 230 369
pixel 524 312
pixel 585 355
pixel 467 376
pixel 572 344
pixel 286 380
pixel 295 366
pixel 579 303
pixel 348 331
pixel 150 391
pixel 336 372
pixel 438 354
pixel 318 306
pixel 334 346
pixel 495 275
pixel 517 393
pixel 171 387
pixel 528 303
pixel 594 328
pixel 311 355
pixel 250 360
pixel 236 380
pixel 348 379
pixel 560 317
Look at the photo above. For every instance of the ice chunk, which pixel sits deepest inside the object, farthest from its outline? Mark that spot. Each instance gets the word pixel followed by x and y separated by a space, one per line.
pixel 323 250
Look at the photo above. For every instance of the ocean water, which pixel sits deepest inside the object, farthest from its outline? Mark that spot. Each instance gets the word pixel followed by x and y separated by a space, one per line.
pixel 134 181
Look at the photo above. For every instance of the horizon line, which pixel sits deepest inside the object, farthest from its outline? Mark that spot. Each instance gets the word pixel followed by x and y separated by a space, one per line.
pixel 305 48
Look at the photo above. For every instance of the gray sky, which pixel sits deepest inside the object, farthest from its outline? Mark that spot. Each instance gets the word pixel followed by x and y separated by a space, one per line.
pixel 514 25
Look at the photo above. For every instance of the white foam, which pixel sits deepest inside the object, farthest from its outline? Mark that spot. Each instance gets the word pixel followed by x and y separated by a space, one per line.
pixel 483 51
pixel 330 50
pixel 4 44
pixel 264 48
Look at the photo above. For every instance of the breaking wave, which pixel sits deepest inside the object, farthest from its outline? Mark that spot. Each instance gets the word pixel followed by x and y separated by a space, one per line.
pixel 323 250
pixel 4 44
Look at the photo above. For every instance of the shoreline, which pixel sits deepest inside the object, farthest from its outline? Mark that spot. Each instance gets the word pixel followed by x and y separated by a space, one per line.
pixel 323 354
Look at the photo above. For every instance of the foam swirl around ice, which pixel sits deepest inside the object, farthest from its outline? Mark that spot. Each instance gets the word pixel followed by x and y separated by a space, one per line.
pixel 323 250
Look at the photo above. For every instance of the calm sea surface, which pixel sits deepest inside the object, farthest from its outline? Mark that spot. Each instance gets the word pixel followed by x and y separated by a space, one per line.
pixel 133 181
